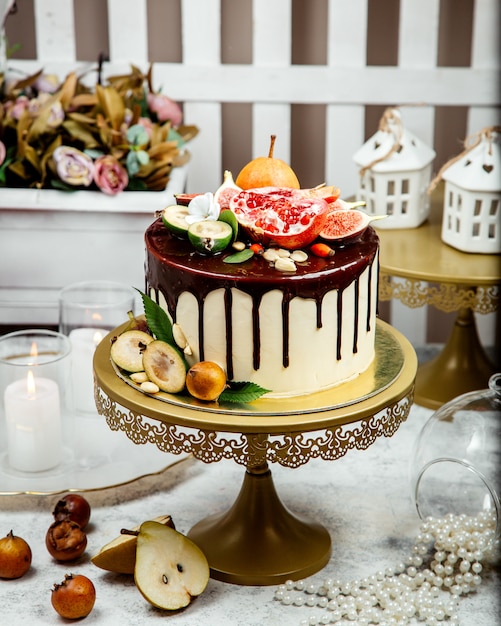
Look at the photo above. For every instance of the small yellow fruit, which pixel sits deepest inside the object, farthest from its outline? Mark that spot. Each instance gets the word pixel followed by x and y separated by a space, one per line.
pixel 206 380
pixel 15 556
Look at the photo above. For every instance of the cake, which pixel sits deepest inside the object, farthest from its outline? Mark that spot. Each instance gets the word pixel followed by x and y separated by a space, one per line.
pixel 292 333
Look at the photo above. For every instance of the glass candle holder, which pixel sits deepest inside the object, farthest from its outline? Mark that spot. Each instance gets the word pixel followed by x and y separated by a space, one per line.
pixel 456 461
pixel 87 312
pixel 35 400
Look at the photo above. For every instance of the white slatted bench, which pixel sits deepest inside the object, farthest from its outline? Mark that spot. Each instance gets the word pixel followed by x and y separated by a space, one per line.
pixel 271 85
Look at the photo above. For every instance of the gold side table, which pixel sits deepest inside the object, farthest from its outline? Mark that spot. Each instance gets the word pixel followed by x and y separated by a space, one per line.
pixel 258 541
pixel 459 281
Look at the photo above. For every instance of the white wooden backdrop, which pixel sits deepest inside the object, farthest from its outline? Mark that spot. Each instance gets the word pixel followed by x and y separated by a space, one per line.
pixel 345 84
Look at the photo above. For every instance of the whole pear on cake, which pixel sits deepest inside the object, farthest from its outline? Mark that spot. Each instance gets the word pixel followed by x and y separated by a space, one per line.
pixel 267 172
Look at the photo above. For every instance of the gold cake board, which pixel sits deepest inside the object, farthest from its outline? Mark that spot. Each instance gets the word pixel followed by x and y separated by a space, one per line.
pixel 258 541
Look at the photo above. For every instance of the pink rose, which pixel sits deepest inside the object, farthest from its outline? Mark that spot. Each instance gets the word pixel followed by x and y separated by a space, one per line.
pixel 165 108
pixel 74 167
pixel 3 152
pixel 109 175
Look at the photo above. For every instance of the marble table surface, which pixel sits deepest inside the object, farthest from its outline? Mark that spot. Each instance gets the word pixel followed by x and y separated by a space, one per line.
pixel 363 499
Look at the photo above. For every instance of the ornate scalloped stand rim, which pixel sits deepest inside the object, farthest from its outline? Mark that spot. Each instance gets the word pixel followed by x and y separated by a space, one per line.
pixel 251 543
pixel 446 297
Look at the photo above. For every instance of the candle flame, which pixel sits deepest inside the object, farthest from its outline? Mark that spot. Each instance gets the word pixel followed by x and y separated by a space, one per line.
pixel 97 337
pixel 34 349
pixel 30 383
pixel 96 317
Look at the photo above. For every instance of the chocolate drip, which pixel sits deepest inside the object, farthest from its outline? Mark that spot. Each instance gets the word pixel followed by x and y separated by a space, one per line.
pixel 285 329
pixel 228 303
pixel 256 333
pixel 369 300
pixel 173 268
pixel 319 312
pixel 339 323
pixel 355 321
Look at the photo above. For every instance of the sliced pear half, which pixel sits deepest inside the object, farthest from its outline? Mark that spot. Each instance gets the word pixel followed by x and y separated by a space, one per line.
pixel 119 555
pixel 170 569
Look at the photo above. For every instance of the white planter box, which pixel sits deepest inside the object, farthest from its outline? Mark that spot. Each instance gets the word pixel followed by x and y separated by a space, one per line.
pixel 50 239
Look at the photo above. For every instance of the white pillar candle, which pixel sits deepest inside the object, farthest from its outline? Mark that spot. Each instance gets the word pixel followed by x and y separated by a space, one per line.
pixel 33 418
pixel 83 345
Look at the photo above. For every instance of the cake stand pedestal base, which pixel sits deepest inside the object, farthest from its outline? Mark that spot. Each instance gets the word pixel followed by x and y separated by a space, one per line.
pixel 258 541
pixel 462 366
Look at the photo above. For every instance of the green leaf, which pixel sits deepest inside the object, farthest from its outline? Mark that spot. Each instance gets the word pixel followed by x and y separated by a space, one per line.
pixel 132 163
pixel 93 153
pixel 9 158
pixel 159 323
pixel 143 157
pixel 136 184
pixel 157 319
pixel 137 135
pixel 173 135
pixel 242 392
pixel 239 257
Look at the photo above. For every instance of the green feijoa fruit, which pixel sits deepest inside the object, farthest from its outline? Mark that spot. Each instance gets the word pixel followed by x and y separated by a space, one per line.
pixel 174 218
pixel 210 236
pixel 164 366
pixel 127 350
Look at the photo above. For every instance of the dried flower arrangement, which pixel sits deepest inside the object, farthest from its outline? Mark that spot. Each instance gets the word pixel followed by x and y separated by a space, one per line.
pixel 123 135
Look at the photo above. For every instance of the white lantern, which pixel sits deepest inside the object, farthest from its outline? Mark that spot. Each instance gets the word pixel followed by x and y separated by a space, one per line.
pixel 395 171
pixel 471 219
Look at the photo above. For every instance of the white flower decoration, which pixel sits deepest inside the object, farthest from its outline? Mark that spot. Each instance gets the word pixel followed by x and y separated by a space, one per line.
pixel 203 207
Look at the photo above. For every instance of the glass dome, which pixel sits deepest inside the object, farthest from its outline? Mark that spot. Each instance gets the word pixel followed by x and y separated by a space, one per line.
pixel 456 462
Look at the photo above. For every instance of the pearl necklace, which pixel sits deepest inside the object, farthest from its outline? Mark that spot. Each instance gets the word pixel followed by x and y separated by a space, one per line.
pixel 443 564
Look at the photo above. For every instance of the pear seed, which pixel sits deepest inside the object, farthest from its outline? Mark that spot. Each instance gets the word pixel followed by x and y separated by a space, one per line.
pixel 285 265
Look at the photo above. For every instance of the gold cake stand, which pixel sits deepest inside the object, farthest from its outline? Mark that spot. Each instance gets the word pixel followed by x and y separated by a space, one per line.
pixel 450 280
pixel 258 541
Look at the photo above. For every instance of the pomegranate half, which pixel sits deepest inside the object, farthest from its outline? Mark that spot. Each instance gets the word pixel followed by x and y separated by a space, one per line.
pixel 289 218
